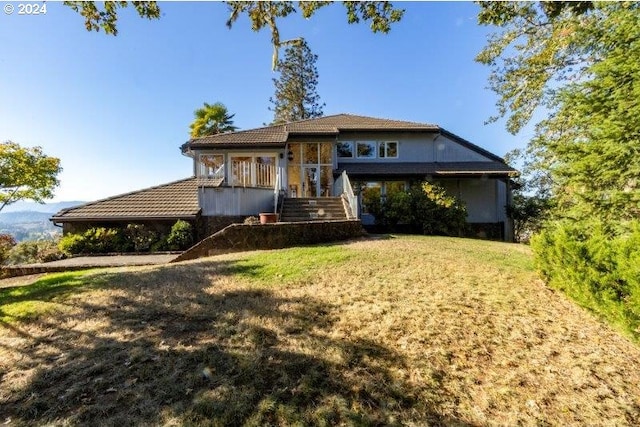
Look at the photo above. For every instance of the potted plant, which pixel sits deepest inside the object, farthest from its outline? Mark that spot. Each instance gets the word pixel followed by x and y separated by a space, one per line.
pixel 268 217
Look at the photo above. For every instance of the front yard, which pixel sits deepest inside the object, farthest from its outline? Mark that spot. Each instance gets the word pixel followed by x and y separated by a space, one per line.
pixel 399 330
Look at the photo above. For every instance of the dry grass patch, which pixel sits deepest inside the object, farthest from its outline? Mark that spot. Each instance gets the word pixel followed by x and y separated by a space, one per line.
pixel 406 331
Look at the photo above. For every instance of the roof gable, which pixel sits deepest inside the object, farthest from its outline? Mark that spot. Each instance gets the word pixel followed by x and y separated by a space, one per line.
pixel 489 155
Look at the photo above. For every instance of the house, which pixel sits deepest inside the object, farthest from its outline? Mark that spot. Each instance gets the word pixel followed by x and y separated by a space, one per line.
pixel 302 166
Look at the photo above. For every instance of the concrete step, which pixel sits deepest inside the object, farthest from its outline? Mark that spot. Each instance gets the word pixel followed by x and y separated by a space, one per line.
pixel 313 213
pixel 313 205
pixel 312 209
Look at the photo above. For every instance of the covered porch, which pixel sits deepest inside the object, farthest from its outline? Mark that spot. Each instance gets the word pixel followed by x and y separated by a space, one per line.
pixel 246 183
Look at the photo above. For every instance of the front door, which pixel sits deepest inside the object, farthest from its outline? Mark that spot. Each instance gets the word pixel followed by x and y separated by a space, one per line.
pixel 310 182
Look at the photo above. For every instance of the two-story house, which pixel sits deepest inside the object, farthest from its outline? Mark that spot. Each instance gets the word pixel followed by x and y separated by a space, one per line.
pixel 243 173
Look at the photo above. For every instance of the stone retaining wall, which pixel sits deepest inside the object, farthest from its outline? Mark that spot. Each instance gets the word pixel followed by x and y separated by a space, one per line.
pixel 242 237
pixel 209 225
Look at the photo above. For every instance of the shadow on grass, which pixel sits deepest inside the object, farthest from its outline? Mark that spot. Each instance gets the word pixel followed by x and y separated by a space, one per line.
pixel 57 285
pixel 169 347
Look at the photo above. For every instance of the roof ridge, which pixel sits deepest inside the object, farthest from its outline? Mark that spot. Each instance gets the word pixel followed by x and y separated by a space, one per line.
pixel 391 120
pixel 63 211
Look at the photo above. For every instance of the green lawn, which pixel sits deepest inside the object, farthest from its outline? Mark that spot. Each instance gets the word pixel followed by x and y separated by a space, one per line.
pixel 399 330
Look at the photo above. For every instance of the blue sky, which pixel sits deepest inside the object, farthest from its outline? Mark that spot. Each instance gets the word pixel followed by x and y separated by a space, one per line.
pixel 116 109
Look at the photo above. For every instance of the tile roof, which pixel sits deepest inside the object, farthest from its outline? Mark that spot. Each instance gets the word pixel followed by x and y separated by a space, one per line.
pixel 427 168
pixel 351 122
pixel 175 200
pixel 328 125
pixel 268 135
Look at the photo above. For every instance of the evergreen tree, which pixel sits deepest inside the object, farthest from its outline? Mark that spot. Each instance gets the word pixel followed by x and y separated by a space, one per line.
pixel 295 96
pixel 592 141
pixel 582 62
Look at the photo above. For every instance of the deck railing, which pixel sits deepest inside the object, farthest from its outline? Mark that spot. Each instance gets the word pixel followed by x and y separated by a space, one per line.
pixel 251 174
pixel 210 172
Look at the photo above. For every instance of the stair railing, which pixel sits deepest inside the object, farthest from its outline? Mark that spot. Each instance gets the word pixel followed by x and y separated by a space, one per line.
pixel 276 191
pixel 347 193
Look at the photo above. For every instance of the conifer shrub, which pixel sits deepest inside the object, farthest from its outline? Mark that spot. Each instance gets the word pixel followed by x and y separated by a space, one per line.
pixel 597 267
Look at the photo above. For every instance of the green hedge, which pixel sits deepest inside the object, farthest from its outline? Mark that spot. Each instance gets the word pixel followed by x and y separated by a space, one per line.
pixel 598 268
pixel 132 238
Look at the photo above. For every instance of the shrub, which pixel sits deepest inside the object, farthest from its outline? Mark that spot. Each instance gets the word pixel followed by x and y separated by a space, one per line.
pixel 141 237
pixel 135 237
pixel 97 240
pixel 6 243
pixel 528 214
pixel 595 266
pixel 425 209
pixel 71 244
pixel 251 220
pixel 31 252
pixel 101 240
pixel 181 236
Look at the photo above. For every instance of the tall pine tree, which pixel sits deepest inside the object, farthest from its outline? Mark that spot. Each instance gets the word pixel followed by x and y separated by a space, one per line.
pixel 296 97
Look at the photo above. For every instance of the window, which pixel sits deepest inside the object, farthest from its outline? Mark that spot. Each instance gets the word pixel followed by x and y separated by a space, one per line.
pixel 366 149
pixel 388 150
pixel 345 149
pixel 212 165
pixel 310 153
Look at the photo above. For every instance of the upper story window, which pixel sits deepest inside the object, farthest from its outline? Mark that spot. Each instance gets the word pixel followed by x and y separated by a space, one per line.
pixel 212 165
pixel 388 150
pixel 366 149
pixel 345 149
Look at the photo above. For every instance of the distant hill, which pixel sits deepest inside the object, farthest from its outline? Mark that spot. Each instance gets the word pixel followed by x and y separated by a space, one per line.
pixel 30 221
pixel 24 217
pixel 39 207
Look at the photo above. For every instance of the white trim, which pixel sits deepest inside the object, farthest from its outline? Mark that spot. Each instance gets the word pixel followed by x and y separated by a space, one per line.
pixel 386 148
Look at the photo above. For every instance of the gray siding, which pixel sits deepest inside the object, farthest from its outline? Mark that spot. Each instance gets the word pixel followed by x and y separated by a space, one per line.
pixel 484 198
pixel 447 150
pixel 417 148
pixel 502 200
pixel 235 201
